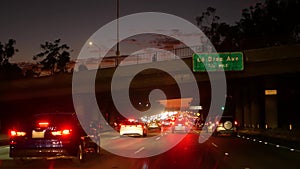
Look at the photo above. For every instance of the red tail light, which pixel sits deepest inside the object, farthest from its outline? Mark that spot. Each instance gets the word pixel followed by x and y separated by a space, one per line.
pixel 61 132
pixel 14 133
pixel 235 123
pixel 66 132
pixel 43 124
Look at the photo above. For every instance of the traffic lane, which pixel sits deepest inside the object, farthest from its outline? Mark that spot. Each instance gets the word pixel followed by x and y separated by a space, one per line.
pixel 4 150
pixel 187 154
pixel 154 144
pixel 241 152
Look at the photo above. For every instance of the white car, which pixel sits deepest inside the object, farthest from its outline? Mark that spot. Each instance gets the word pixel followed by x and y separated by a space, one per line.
pixel 223 125
pixel 132 127
pixel 181 125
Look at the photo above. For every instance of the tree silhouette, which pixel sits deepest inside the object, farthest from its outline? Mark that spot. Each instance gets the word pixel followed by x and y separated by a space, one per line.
pixel 274 22
pixel 209 24
pixel 7 51
pixel 221 35
pixel 270 23
pixel 7 69
pixel 54 55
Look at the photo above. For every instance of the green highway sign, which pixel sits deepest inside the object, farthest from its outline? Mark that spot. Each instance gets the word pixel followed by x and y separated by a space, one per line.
pixel 230 61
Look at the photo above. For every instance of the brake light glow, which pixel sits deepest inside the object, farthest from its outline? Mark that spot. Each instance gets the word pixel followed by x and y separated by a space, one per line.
pixel 66 132
pixel 61 132
pixel 131 120
pixel 235 123
pixel 43 124
pixel 14 133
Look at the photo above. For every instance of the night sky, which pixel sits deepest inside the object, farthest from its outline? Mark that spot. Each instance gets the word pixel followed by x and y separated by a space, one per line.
pixel 32 22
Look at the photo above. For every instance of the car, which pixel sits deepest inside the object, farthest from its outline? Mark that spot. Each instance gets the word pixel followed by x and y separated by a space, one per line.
pixel 223 125
pixel 154 125
pixel 52 136
pixel 132 127
pixel 167 123
pixel 198 124
pixel 181 125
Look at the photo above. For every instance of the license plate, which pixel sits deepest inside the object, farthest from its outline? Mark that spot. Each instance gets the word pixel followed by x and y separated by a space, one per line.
pixel 38 134
pixel 179 124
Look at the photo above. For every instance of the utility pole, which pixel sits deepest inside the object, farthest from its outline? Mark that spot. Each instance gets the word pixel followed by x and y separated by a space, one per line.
pixel 118 45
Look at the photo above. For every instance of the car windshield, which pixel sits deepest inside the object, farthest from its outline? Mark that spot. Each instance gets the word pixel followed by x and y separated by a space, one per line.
pixel 127 122
pixel 140 84
pixel 226 118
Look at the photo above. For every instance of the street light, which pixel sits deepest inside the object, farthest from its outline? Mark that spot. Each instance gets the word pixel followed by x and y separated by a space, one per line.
pixel 93 44
pixel 99 49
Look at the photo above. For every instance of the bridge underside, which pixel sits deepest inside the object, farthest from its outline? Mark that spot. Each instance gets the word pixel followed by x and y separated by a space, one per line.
pixel 246 98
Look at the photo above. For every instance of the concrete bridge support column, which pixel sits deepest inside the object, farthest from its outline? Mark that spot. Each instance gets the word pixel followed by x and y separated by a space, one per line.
pixel 239 111
pixel 271 105
pixel 271 111
pixel 255 116
pixel 255 107
pixel 246 107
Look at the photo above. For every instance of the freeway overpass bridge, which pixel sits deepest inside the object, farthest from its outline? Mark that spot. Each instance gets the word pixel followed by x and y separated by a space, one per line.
pixel 263 94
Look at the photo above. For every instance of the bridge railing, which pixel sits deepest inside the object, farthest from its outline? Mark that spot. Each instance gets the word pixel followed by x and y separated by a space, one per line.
pixel 149 57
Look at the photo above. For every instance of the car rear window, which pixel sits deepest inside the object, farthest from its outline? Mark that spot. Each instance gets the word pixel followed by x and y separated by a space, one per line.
pixel 55 118
pixel 223 119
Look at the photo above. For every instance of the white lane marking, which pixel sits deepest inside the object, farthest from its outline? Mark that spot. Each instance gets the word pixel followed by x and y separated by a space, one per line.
pixel 214 145
pixel 139 150
pixel 157 138
pixel 277 145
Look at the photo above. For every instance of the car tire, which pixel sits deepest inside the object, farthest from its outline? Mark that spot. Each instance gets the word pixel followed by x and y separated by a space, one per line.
pixel 98 148
pixel 215 133
pixel 81 156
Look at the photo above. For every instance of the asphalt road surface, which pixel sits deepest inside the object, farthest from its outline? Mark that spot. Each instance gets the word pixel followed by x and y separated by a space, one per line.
pixel 216 153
